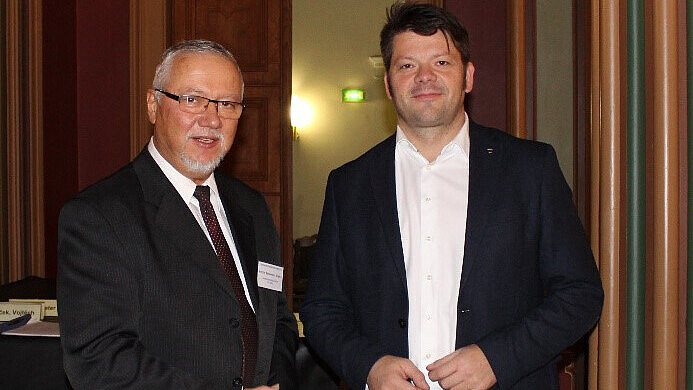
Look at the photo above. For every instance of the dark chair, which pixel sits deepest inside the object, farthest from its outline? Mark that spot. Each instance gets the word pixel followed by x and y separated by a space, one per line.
pixel 304 250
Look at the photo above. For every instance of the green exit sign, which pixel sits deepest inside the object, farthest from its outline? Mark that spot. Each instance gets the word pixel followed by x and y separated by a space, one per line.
pixel 353 95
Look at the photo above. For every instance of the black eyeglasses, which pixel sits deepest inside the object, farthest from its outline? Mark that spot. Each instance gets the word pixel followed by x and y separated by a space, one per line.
pixel 198 104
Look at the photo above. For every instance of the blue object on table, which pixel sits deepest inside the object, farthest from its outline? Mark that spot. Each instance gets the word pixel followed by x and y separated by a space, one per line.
pixel 14 323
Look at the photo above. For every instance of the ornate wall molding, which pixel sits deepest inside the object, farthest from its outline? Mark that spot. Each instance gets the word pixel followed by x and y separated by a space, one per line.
pixel 652 356
pixel 4 271
pixel 15 210
pixel 666 193
pixel 35 157
pixel 25 253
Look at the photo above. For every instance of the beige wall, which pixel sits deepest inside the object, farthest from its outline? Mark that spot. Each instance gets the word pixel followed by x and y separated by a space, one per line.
pixel 555 79
pixel 331 43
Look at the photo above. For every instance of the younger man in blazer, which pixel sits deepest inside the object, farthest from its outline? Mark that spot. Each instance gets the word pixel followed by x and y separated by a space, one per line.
pixel 450 255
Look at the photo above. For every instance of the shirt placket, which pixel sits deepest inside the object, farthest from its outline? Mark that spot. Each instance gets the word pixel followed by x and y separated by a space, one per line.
pixel 427 250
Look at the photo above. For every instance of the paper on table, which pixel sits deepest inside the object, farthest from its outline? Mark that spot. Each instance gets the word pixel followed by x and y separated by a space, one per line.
pixel 37 328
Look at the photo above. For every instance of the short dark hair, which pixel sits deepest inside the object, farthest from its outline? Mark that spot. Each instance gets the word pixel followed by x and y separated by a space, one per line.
pixel 422 19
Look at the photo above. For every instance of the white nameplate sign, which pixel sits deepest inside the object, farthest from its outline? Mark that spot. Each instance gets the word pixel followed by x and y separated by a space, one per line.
pixel 12 310
pixel 270 276
pixel 50 306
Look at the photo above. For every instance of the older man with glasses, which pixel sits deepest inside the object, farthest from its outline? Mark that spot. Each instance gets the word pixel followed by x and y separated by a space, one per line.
pixel 158 263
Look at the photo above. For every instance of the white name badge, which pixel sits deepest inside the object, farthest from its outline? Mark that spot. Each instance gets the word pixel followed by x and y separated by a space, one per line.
pixel 270 276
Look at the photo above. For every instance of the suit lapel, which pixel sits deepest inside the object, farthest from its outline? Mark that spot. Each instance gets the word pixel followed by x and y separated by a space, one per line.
pixel 385 194
pixel 486 155
pixel 241 225
pixel 174 224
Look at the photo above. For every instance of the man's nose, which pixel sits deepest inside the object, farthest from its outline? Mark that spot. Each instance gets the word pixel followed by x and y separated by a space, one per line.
pixel 425 73
pixel 210 116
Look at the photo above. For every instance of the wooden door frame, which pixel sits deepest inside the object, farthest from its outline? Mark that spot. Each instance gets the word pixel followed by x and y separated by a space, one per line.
pixel 23 252
pixel 148 39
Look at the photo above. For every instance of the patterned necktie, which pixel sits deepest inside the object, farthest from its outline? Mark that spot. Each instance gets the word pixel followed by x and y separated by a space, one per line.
pixel 248 321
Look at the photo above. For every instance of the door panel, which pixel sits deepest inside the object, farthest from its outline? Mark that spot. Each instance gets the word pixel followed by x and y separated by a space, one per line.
pixel 255 156
pixel 249 28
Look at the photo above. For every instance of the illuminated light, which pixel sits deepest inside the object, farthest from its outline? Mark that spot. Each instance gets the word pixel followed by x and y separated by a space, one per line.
pixel 353 95
pixel 301 112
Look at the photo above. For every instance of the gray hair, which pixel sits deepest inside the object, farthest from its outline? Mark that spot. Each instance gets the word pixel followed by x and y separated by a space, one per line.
pixel 163 70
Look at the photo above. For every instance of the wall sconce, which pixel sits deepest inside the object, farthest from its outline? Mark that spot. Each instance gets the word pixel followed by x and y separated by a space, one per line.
pixel 301 114
pixel 353 95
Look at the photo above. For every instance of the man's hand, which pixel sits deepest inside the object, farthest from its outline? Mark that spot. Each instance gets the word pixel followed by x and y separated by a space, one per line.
pixel 464 369
pixel 273 387
pixel 395 373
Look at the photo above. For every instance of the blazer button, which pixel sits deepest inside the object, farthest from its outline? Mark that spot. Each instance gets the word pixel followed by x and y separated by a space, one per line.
pixel 402 323
pixel 237 383
pixel 234 323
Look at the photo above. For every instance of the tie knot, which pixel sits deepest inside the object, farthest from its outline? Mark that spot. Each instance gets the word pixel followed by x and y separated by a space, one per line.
pixel 201 193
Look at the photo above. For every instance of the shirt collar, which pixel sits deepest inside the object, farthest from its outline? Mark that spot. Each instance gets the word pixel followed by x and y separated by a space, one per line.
pixel 184 186
pixel 461 140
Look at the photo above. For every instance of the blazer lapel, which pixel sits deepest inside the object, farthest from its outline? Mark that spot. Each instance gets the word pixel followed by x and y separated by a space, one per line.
pixel 486 155
pixel 174 224
pixel 385 193
pixel 241 224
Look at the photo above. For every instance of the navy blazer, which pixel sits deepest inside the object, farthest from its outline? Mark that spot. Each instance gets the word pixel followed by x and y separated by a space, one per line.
pixel 144 301
pixel 529 285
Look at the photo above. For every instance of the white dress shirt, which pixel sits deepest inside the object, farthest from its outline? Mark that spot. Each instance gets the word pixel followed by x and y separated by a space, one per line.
pixel 432 202
pixel 186 189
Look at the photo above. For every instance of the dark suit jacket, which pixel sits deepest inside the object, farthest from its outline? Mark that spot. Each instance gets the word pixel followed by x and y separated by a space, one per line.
pixel 144 302
pixel 529 286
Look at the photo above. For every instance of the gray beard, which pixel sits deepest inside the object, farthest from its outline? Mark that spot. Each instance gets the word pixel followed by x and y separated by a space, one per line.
pixel 205 168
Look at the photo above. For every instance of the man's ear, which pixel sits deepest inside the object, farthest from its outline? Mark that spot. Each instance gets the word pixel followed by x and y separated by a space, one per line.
pixel 387 86
pixel 468 77
pixel 152 105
